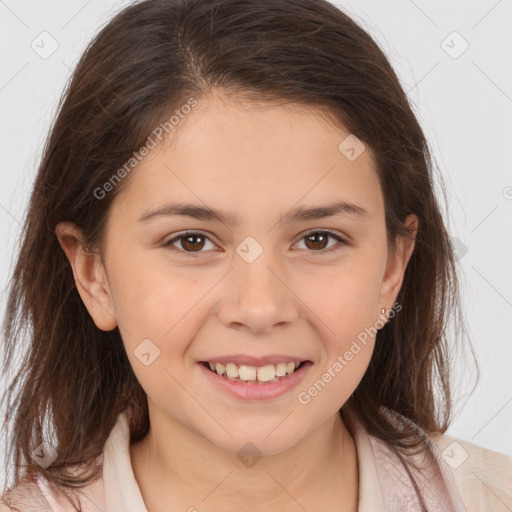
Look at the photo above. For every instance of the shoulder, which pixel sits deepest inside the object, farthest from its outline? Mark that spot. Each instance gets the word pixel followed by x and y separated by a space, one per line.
pixel 483 477
pixel 26 496
pixel 34 494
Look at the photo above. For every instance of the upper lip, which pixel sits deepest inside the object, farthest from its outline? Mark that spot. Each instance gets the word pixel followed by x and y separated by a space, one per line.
pixel 244 359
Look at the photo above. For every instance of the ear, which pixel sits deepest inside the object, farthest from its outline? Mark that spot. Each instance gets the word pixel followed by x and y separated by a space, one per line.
pixel 89 274
pixel 396 265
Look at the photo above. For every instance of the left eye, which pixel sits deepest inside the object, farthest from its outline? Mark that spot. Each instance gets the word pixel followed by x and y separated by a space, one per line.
pixel 193 241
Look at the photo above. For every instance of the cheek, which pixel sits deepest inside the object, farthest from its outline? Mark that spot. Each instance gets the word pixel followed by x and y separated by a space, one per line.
pixel 159 310
pixel 346 312
pixel 347 326
pixel 149 300
pixel 346 299
pixel 143 284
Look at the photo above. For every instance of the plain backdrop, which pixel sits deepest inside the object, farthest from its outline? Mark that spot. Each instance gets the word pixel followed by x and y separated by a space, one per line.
pixel 454 62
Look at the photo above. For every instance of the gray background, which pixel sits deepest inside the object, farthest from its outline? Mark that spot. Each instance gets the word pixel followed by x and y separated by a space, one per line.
pixel 463 100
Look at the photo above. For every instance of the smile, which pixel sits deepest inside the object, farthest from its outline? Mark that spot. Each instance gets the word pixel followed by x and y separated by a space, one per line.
pixel 254 382
pixel 247 373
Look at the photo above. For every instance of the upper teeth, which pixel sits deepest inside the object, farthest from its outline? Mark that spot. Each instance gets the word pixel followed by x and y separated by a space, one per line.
pixel 246 372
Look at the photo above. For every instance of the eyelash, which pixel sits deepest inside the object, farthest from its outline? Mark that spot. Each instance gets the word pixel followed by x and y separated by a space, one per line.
pixel 340 240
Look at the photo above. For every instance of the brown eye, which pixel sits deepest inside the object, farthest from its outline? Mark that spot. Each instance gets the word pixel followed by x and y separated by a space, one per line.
pixel 317 241
pixel 190 242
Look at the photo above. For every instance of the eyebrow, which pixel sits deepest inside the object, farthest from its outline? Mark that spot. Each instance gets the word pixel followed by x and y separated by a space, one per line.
pixel 300 213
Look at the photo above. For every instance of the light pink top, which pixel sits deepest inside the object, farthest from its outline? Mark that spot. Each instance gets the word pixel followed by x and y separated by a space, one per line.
pixel 460 476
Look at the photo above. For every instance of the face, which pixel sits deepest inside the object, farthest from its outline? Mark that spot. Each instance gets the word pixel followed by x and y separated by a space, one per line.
pixel 257 289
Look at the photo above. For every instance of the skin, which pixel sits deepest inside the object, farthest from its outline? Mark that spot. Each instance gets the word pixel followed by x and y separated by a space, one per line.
pixel 257 161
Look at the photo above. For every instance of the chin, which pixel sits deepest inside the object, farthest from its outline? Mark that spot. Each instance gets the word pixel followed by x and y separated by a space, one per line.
pixel 256 441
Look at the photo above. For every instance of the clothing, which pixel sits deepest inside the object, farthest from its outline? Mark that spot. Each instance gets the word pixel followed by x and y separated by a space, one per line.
pixel 466 478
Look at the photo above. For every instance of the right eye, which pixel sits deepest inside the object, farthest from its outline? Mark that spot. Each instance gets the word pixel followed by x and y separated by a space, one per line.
pixel 189 242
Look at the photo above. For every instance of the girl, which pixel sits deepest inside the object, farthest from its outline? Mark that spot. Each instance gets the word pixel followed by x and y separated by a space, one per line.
pixel 237 279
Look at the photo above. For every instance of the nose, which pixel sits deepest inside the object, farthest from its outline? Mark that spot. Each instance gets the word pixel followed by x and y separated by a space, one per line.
pixel 258 296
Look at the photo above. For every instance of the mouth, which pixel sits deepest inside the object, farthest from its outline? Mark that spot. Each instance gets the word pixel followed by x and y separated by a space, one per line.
pixel 246 382
pixel 253 374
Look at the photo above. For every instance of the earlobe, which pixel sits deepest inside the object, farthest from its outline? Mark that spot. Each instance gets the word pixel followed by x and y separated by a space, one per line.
pixel 89 275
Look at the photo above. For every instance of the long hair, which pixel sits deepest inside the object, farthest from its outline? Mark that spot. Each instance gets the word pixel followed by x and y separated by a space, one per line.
pixel 149 60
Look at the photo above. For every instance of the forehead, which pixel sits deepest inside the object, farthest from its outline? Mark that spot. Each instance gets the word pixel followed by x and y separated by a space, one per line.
pixel 253 159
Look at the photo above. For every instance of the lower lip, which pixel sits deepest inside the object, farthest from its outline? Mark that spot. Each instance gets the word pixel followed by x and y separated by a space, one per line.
pixel 255 391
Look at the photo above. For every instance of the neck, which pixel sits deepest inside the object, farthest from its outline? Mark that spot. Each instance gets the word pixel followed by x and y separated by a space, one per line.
pixel 174 466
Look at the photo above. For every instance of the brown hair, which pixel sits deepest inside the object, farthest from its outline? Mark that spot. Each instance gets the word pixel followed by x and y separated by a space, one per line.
pixel 148 61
